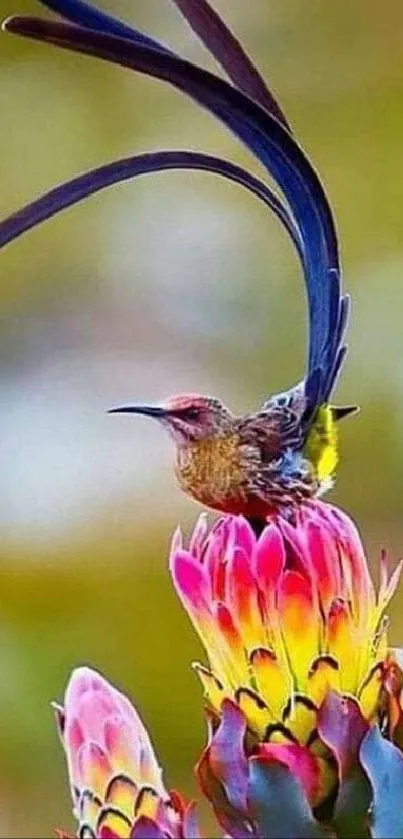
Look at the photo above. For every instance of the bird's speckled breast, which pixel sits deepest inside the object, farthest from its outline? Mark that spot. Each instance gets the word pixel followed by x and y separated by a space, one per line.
pixel 211 470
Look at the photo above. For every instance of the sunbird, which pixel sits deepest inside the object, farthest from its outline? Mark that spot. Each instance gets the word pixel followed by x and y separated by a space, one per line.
pixel 256 464
pixel 272 459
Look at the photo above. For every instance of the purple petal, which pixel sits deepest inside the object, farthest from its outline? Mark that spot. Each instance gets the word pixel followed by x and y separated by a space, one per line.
pixel 145 828
pixel 227 755
pixel 190 826
pixel 342 727
pixel 215 775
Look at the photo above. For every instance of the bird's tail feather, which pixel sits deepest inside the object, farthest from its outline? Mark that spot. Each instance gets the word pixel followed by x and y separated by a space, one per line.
pixel 327 325
pixel 328 309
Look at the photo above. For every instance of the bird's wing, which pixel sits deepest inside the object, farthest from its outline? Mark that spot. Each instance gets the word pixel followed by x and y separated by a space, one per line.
pixel 277 427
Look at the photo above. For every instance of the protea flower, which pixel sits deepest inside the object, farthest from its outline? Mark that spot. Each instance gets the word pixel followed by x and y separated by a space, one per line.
pixel 116 782
pixel 296 641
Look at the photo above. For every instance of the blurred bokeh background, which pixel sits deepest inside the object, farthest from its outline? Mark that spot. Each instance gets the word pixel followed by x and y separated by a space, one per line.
pixel 175 282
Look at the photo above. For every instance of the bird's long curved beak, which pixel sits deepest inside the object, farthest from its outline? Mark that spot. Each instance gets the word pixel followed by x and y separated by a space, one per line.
pixel 147 410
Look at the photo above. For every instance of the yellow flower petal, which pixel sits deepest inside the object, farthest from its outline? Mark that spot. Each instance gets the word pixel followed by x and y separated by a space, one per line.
pixel 273 680
pixel 279 733
pixel 323 676
pixel 343 645
pixel 300 718
pixel 213 689
pixel 257 714
pixel 122 793
pixel 115 821
pixel 300 624
pixel 89 807
pixel 369 693
pixel 147 804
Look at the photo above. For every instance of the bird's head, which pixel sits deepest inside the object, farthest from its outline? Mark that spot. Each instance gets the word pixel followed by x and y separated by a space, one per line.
pixel 187 417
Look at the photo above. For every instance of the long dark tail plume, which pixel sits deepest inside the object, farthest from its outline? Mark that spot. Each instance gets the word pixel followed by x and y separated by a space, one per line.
pixel 217 37
pixel 84 14
pixel 83 186
pixel 208 25
pixel 230 54
pixel 262 127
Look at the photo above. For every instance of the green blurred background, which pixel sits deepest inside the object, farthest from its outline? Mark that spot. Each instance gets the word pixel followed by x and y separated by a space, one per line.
pixel 176 282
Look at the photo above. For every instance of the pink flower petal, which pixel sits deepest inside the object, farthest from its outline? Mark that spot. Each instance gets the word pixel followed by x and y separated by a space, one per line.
pixel 242 597
pixel 325 563
pixel 199 536
pixel 242 535
pixel 73 740
pixel 215 565
pixel 269 559
pixel 191 582
pixel 294 537
pixel 92 709
pixel 176 541
pixel 193 586
pixel 94 768
pixel 361 591
pixel 301 762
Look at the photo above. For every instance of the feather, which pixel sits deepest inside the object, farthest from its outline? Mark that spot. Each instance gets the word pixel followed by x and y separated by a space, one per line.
pixel 230 54
pixel 208 25
pixel 81 187
pixel 83 14
pixel 260 132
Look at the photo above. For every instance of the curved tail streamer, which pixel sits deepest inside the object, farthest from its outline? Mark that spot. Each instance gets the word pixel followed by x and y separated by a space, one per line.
pixel 83 186
pixel 230 54
pixel 84 14
pixel 208 25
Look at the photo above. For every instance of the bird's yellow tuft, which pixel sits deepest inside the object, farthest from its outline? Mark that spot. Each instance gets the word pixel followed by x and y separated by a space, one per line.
pixel 321 447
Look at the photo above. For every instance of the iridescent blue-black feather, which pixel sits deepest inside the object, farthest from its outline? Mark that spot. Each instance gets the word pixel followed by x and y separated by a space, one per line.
pixel 84 14
pixel 327 308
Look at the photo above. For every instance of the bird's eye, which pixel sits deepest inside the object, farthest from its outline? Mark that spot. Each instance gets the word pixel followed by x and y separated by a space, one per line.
pixel 191 413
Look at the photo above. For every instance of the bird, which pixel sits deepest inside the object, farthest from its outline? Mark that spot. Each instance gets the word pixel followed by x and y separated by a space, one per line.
pixel 257 464
pixel 270 460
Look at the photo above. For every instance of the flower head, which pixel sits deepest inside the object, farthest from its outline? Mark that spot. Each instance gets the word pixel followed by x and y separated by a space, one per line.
pixel 115 779
pixel 285 618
